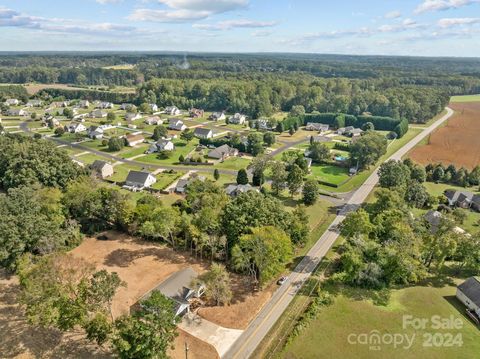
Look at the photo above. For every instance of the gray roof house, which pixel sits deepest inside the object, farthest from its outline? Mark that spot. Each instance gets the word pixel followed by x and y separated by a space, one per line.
pixel 95 132
pixel 469 294
pixel 217 116
pixel 201 132
pixel 238 119
pixel 236 189
pixel 12 102
pixel 177 125
pixel 153 120
pixel 83 104
pixel 131 116
pixel 172 111
pixel 138 180
pixel 319 127
pixel 161 145
pixel 322 139
pixel 344 130
pixel 34 103
pixel 462 199
pixel 16 112
pixel 182 184
pixel 102 169
pixel 179 288
pixel 98 114
pixel 223 152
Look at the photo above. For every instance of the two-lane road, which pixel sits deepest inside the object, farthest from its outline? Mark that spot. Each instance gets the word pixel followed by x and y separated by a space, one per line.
pixel 271 312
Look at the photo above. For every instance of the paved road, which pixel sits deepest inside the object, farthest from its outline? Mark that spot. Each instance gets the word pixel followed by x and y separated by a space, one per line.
pixel 271 312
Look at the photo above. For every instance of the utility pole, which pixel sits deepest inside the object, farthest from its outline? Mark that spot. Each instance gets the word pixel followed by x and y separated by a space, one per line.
pixel 186 350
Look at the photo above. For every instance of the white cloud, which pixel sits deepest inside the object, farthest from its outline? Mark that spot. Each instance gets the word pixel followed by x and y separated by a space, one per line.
pixel 393 14
pixel 232 24
pixel 439 5
pixel 451 22
pixel 211 6
pixel 167 16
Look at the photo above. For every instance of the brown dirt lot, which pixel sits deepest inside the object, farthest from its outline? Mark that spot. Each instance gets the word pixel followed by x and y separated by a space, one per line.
pixel 456 143
pixel 32 89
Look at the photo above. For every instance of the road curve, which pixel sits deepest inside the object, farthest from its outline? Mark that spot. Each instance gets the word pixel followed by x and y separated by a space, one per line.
pixel 271 312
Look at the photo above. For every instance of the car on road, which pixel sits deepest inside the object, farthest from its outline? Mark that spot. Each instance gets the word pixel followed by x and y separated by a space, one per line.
pixel 282 280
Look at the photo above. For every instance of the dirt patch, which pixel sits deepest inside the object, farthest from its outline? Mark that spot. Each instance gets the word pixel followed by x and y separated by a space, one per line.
pixel 32 89
pixel 197 349
pixel 244 307
pixel 456 143
pixel 142 265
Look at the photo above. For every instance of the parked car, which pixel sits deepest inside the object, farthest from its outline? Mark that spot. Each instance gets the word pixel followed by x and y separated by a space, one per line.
pixel 282 280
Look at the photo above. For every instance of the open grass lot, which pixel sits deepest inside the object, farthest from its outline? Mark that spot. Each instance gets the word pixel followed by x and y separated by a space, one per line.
pixel 89 158
pixel 233 163
pixel 329 173
pixel 165 179
pixel 181 148
pixel 354 313
pixel 130 152
pixel 467 98
pixel 224 179
pixel 121 172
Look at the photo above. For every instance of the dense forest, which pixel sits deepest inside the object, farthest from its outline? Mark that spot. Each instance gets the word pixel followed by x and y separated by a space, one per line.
pixel 261 84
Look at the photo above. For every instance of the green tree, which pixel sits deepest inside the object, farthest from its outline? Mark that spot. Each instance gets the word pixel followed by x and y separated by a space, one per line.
pixel 255 143
pixel 68 113
pixel 291 131
pixel 418 173
pixel 394 174
pixel 294 179
pixel 111 117
pixel 356 223
pixel 242 177
pixel 216 174
pixel 311 192
pixel 159 132
pixel 278 176
pixel 267 250
pixel 297 110
pixel 319 152
pixel 115 144
pixel 269 138
pixel 59 131
pixel 149 332
pixel 217 284
pixel 368 149
pixel 187 135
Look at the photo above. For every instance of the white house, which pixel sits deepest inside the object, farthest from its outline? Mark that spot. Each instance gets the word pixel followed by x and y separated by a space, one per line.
pixel 102 169
pixel 138 180
pixel 83 104
pixel 98 114
pixel 237 119
pixel 172 111
pixel 134 140
pixel 75 127
pixel 204 133
pixel 217 116
pixel 34 103
pixel 105 105
pixel 95 132
pixel 12 102
pixel 469 294
pixel 153 107
pixel 161 145
pixel 177 125
pixel 153 120
pixel 16 112
pixel 130 116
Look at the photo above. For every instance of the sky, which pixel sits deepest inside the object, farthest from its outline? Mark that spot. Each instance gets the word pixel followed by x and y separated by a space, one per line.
pixel 360 27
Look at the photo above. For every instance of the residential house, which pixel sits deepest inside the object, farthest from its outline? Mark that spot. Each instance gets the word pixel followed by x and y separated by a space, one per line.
pixel 217 116
pixel 319 127
pixel 131 116
pixel 161 145
pixel 95 132
pixel 196 113
pixel 16 112
pixel 463 199
pixel 126 106
pixel 75 127
pixel 153 107
pixel 102 169
pixel 237 119
pixel 34 103
pixel 203 133
pixel 105 105
pixel 153 120
pixel 83 104
pixel 223 152
pixel 435 219
pixel 50 121
pixel 180 289
pixel 234 190
pixel 12 102
pixel 177 125
pixel 356 132
pixel 106 127
pixel 266 125
pixel 172 111
pixel 469 294
pixel 344 130
pixel 182 184
pixel 322 139
pixel 98 114
pixel 134 139
pixel 138 180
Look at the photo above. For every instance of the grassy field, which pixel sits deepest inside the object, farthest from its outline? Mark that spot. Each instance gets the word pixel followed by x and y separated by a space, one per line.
pixel 329 173
pixel 467 98
pixel 121 172
pixel 234 163
pixel 355 313
pixel 166 179
pixel 181 148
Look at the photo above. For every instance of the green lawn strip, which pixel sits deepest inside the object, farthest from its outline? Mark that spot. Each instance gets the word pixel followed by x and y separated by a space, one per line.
pixel 467 98
pixel 165 179
pixel 223 180
pixel 329 173
pixel 121 172
pixel 89 158
pixel 234 163
pixel 181 148
pixel 354 313
pixel 130 152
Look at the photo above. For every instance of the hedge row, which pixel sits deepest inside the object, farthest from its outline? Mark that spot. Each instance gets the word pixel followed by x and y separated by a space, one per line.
pixel 91 95
pixel 337 120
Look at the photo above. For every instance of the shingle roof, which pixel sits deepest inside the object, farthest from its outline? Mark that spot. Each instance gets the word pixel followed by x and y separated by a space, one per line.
pixel 471 289
pixel 202 131
pixel 137 177
pixel 98 165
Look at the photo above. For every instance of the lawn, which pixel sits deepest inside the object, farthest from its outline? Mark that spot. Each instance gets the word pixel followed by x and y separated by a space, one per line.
pixel 353 313
pixel 130 152
pixel 165 179
pixel 121 172
pixel 329 173
pixel 181 148
pixel 468 98
pixel 89 158
pixel 223 180
pixel 234 163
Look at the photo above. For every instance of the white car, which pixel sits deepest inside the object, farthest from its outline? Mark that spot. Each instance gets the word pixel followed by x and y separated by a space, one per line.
pixel 282 280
